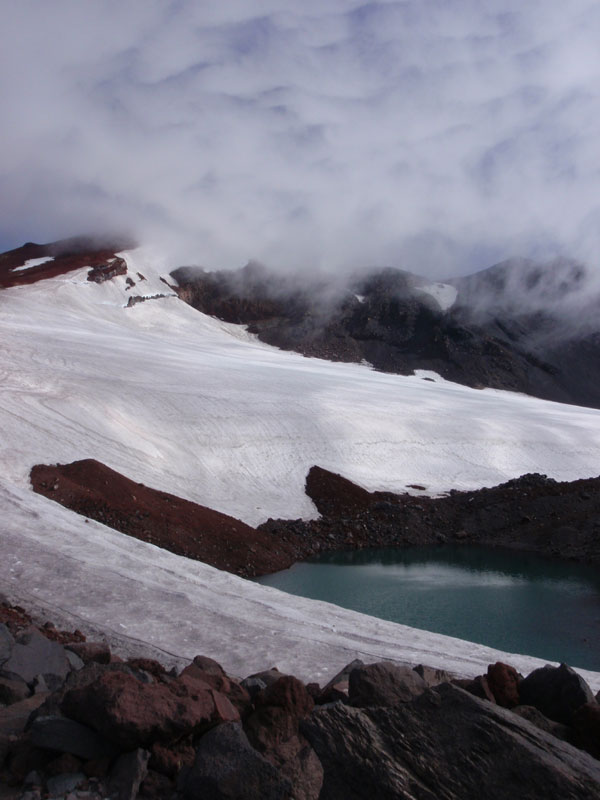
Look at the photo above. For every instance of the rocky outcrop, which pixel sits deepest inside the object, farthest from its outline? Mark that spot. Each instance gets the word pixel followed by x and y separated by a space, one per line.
pixel 108 270
pixel 515 327
pixel 133 729
pixel 66 255
pixel 444 744
pixel 533 513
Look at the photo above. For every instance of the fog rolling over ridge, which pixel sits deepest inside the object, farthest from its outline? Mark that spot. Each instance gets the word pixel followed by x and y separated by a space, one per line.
pixel 433 137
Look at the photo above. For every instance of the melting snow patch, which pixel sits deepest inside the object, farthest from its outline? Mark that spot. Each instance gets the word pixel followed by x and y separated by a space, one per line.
pixel 33 262
pixel 444 294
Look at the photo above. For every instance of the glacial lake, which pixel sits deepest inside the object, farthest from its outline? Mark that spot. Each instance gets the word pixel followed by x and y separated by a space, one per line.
pixel 512 601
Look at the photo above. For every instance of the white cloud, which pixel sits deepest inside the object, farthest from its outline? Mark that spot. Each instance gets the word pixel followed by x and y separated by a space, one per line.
pixel 424 134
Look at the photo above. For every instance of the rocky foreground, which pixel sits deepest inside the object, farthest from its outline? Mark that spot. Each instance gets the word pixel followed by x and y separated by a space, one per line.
pixel 76 721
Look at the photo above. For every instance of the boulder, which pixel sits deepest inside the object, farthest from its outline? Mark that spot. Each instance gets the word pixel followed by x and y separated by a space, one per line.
pixel 127 774
pixel 478 687
pixel 444 744
pixel 63 764
pixel 170 759
pixel 133 714
pixel 586 728
pixel 273 730
pixel 215 676
pixel 60 785
pixel 503 681
pixel 4 748
pixel 74 660
pixel 14 718
pixel 260 680
pixel 156 787
pixel 6 643
pixel 433 676
pixel 383 684
pixel 555 691
pixel 13 691
pixel 531 714
pixel 227 767
pixel 33 654
pixel 148 665
pixel 208 665
pixel 337 688
pixel 287 693
pixel 67 736
pixel 90 651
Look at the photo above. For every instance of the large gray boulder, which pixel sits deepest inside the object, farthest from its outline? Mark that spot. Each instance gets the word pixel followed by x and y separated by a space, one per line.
pixel 227 767
pixel 555 691
pixel 444 745
pixel 33 654
pixel 383 684
pixel 67 736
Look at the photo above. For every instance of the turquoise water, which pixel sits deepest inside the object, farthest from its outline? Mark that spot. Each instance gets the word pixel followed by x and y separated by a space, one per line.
pixel 517 602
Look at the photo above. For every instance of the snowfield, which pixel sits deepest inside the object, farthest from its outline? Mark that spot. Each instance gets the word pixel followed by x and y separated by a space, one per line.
pixel 196 407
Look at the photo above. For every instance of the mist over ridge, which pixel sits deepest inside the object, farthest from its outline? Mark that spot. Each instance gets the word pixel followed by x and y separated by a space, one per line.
pixel 438 139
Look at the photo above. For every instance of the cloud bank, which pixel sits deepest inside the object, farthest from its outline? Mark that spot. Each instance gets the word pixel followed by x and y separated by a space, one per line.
pixel 434 136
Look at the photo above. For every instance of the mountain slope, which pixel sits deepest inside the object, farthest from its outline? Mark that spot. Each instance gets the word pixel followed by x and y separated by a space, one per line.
pixel 200 408
pixel 518 326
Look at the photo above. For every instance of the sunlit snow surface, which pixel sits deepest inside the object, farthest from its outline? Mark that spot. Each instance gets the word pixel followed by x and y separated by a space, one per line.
pixel 199 408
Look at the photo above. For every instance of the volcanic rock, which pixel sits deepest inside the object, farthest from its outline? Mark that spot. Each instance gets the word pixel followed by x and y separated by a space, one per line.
pixel 62 784
pixel 7 643
pixel 67 736
pixel 503 681
pixel 444 744
pixel 556 691
pixel 129 771
pixel 13 691
pixel 227 767
pixel 132 714
pixel 91 651
pixel 383 684
pixel 105 272
pixel 34 654
pixel 586 727
pixel 433 676
pixel 213 674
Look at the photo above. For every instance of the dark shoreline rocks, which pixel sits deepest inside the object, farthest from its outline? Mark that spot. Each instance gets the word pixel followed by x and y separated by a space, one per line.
pixel 126 730
pixel 532 513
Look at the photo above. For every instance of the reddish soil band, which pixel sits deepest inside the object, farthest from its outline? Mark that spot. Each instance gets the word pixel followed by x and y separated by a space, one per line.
pixel 188 529
pixel 68 255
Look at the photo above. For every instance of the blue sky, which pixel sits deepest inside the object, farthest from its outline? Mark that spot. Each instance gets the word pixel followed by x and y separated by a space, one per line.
pixel 434 136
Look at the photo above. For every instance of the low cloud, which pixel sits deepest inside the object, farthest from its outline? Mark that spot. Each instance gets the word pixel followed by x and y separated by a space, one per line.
pixel 421 134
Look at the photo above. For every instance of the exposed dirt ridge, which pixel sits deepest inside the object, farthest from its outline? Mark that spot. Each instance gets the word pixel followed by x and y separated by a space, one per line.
pixel 188 529
pixel 67 256
pixel 533 513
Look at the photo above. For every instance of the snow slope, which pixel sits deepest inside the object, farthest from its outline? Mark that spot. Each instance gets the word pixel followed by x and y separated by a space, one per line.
pixel 188 404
